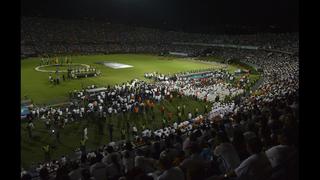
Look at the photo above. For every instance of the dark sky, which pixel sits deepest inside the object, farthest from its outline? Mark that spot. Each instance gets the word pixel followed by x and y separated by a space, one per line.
pixel 181 13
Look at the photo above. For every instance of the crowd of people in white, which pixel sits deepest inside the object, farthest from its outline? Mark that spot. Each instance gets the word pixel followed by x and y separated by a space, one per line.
pixel 249 137
pixel 272 108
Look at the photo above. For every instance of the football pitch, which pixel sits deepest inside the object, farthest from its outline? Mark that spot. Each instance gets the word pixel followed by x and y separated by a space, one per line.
pixel 115 69
pixel 35 85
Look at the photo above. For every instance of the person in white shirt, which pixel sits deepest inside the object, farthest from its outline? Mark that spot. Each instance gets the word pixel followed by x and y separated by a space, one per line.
pixel 279 154
pixel 227 153
pixel 110 111
pixel 255 167
pixel 134 130
pixel 189 116
pixel 175 125
pixel 85 133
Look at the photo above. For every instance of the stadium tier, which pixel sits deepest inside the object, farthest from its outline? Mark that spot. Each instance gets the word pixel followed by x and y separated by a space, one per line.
pixel 40 36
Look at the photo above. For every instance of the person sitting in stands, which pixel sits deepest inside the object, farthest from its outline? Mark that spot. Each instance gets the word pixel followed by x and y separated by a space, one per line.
pixel 279 154
pixel 226 152
pixel 257 166
pixel 169 170
pixel 98 169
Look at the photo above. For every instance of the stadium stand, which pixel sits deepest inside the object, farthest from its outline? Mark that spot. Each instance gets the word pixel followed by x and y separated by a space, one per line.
pixel 254 138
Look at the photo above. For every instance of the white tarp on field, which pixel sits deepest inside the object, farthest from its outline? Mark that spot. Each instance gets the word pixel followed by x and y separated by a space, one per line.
pixel 178 54
pixel 116 65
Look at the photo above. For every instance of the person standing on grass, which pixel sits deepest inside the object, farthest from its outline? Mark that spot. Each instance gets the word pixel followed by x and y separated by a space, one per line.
pixel 100 125
pixel 46 150
pixel 110 111
pixel 110 127
pixel 30 128
pixel 136 111
pixel 206 107
pixel 170 115
pixel 162 109
pixel 183 109
pixel 179 117
pixel 47 123
pixel 83 145
pixel 128 127
pixel 189 116
pixel 134 131
pixel 50 78
pixel 171 97
pixel 147 106
pixel 164 122
pixel 85 133
pixel 152 106
pixel 178 109
pixel 153 117
pixel 143 126
pixel 196 112
pixel 123 134
pixel 57 133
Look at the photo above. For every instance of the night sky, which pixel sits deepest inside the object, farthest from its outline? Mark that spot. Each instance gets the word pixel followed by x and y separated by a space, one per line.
pixel 173 13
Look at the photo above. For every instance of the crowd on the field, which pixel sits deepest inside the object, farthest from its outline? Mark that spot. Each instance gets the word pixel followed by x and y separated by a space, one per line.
pixel 210 86
pixel 255 137
pixel 54 36
pixel 252 137
pixel 137 97
pixel 251 144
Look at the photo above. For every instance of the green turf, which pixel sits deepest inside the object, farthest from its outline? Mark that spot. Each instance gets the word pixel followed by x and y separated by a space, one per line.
pixel 35 85
pixel 61 68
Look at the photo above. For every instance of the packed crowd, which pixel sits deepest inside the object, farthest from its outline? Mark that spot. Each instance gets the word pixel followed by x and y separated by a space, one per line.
pixel 136 97
pixel 252 138
pixel 250 144
pixel 53 36
pixel 210 86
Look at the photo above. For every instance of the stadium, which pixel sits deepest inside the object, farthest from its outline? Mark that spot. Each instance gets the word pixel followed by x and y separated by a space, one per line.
pixel 103 100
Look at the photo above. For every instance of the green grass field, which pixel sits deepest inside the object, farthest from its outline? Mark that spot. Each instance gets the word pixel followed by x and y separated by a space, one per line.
pixel 35 85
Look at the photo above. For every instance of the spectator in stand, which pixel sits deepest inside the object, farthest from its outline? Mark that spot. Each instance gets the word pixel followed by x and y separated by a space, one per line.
pixel 44 173
pixel 145 163
pixel 277 95
pixel 114 170
pixel 86 175
pixel 128 161
pixel 239 144
pixel 109 151
pixel 26 176
pixel 98 169
pixel 280 153
pixel 62 173
pixel 75 173
pixel 257 166
pixel 226 153
pixel 169 170
pixel 194 166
